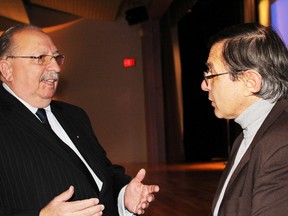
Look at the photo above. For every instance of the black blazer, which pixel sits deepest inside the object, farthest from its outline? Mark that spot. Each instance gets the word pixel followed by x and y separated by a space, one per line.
pixel 34 168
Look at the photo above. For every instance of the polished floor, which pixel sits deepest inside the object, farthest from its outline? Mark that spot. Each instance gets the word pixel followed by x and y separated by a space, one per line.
pixel 185 190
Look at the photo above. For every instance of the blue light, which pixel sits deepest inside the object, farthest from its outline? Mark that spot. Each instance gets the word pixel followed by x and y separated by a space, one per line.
pixel 279 18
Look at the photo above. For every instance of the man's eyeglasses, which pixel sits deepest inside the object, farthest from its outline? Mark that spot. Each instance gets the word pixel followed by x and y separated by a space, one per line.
pixel 207 77
pixel 42 59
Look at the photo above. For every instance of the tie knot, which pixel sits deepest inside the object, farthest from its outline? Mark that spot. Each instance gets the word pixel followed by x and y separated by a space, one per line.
pixel 41 113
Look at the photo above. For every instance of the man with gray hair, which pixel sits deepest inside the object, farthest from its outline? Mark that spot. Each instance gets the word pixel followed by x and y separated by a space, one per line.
pixel 51 162
pixel 247 80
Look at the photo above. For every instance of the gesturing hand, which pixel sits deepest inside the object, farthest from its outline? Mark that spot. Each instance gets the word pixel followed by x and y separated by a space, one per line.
pixel 137 195
pixel 60 207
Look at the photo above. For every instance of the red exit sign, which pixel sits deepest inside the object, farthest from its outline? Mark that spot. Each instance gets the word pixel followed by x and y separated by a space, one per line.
pixel 129 62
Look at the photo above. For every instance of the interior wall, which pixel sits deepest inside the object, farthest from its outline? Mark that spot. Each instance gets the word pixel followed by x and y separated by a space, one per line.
pixel 93 77
pixel 154 94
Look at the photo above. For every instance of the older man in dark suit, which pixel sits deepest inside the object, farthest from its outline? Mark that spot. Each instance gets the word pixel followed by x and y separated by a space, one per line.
pixel 50 160
pixel 247 80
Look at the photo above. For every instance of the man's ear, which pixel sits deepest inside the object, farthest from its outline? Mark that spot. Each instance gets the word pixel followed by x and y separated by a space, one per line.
pixel 6 70
pixel 252 80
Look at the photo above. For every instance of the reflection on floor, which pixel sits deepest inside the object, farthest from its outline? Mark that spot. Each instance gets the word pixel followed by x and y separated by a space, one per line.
pixel 185 190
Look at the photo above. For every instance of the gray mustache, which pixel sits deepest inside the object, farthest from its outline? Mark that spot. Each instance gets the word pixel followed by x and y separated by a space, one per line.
pixel 51 75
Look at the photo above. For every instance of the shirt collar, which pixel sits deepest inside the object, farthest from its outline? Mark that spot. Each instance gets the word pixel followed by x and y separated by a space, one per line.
pixel 31 108
pixel 254 115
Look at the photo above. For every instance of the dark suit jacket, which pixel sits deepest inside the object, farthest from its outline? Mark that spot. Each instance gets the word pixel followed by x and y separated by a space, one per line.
pixel 259 185
pixel 34 169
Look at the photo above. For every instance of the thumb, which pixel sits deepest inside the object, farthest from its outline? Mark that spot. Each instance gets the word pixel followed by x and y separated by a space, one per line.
pixel 140 175
pixel 66 195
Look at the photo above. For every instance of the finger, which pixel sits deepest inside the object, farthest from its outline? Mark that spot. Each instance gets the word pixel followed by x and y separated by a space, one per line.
pixel 66 195
pixel 142 206
pixel 82 207
pixel 85 204
pixel 153 188
pixel 94 210
pixel 150 197
pixel 145 205
pixel 140 175
pixel 140 211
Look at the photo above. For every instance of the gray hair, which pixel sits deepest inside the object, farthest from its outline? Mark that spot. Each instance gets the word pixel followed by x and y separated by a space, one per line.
pixel 6 41
pixel 254 46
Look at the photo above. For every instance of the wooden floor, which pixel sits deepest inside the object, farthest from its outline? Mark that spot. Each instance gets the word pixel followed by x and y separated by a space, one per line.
pixel 185 190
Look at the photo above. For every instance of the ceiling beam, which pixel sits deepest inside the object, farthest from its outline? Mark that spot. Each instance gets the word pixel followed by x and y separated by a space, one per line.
pixel 14 10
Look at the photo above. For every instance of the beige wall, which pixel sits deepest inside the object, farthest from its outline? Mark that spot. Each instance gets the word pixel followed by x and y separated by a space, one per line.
pixel 93 77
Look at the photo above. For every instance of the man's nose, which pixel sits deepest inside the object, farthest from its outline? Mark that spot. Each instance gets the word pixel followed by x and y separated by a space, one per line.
pixel 53 64
pixel 204 86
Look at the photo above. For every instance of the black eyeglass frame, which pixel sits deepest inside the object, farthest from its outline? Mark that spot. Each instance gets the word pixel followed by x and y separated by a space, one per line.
pixel 59 58
pixel 207 77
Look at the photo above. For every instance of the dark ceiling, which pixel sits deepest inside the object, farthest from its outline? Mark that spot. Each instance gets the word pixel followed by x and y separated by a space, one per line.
pixel 46 13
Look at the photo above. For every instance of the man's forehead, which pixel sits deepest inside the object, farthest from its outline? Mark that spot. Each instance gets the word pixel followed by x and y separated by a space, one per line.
pixel 28 33
pixel 31 39
pixel 215 56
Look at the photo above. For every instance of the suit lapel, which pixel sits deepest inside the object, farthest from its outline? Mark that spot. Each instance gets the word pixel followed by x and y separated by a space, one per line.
pixel 274 113
pixel 228 167
pixel 68 124
pixel 24 120
pixel 29 123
